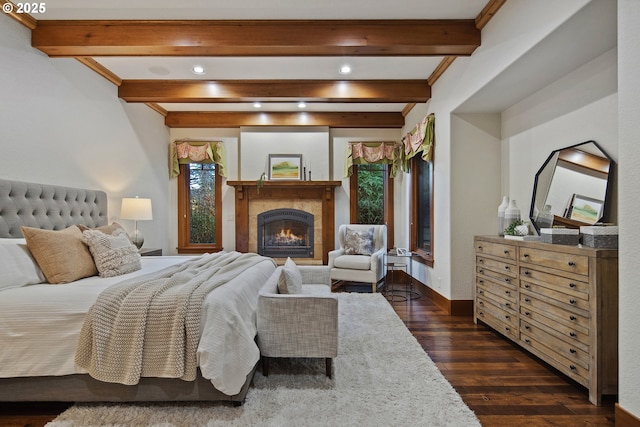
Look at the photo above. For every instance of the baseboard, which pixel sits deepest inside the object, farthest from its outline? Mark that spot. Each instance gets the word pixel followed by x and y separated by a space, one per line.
pixel 453 307
pixel 624 418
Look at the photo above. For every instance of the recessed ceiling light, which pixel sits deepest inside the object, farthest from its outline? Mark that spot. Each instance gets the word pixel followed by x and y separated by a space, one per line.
pixel 345 69
pixel 257 105
pixel 302 105
pixel 198 69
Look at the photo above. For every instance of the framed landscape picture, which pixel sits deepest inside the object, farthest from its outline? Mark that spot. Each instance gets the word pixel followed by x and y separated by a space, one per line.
pixel 586 209
pixel 285 167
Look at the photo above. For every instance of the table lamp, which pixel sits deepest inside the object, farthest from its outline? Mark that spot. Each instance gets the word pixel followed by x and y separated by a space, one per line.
pixel 136 209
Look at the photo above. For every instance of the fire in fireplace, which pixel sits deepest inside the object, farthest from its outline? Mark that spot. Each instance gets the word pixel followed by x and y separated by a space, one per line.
pixel 285 233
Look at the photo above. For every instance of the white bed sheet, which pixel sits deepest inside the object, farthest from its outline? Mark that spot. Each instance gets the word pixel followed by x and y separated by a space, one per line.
pixel 40 325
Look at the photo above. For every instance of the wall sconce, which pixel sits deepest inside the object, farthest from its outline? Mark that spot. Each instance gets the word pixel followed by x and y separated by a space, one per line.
pixel 136 209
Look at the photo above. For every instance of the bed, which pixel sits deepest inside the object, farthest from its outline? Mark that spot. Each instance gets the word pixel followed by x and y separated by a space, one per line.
pixel 40 323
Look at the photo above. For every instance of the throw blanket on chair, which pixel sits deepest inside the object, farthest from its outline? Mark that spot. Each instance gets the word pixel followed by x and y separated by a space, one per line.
pixel 150 327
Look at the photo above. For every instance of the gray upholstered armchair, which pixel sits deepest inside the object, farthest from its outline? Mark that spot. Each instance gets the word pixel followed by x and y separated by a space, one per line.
pixel 300 324
pixel 354 261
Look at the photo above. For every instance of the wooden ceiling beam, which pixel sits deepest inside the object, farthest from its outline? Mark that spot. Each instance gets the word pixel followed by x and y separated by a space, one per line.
pixel 256 38
pixel 175 119
pixel 186 91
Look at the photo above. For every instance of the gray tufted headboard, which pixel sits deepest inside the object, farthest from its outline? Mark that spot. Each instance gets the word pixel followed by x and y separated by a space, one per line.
pixel 49 207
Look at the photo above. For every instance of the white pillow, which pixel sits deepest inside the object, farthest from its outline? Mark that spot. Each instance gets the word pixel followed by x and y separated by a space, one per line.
pixel 290 280
pixel 17 265
pixel 114 254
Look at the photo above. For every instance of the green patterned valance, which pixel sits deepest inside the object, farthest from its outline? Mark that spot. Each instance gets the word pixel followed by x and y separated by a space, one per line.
pixel 365 153
pixel 183 152
pixel 420 139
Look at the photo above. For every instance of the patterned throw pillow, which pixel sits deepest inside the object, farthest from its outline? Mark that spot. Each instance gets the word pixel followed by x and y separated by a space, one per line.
pixel 358 242
pixel 290 280
pixel 113 254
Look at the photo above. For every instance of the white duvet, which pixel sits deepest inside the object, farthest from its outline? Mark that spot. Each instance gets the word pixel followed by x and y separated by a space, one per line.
pixel 40 325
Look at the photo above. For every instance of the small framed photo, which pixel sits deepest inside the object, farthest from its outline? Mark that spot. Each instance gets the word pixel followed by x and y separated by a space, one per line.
pixel 586 209
pixel 285 167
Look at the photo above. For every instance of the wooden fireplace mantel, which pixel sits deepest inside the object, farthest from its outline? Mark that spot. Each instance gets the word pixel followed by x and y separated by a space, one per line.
pixel 286 190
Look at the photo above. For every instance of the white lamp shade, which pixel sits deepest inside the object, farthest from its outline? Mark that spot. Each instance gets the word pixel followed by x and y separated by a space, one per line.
pixel 136 208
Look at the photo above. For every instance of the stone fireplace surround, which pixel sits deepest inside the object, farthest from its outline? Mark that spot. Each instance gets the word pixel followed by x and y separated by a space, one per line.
pixel 316 197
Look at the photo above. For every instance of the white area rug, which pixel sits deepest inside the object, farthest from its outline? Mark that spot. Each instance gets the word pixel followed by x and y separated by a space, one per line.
pixel 382 377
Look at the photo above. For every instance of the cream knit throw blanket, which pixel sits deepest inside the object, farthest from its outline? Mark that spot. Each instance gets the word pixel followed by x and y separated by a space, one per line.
pixel 150 327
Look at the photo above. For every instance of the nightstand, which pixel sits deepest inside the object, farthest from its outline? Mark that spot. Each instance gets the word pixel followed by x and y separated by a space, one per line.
pixel 150 252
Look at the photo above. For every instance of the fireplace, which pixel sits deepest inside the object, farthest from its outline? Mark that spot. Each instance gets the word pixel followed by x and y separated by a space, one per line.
pixel 285 233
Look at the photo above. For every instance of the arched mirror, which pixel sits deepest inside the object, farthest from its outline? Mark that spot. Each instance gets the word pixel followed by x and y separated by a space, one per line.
pixel 571 187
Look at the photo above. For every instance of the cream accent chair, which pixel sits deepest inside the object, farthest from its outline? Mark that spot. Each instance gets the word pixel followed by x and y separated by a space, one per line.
pixel 360 268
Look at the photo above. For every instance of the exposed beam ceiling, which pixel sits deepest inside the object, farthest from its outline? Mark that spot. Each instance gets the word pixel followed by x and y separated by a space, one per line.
pixel 200 91
pixel 257 38
pixel 278 52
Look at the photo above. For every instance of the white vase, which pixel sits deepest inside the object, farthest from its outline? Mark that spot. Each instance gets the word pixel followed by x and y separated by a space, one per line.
pixel 511 214
pixel 503 206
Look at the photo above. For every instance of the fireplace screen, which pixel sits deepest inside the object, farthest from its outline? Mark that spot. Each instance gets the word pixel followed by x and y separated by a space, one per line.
pixel 285 233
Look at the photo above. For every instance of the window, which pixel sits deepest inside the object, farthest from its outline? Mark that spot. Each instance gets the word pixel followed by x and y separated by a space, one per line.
pixel 199 208
pixel 421 228
pixel 372 196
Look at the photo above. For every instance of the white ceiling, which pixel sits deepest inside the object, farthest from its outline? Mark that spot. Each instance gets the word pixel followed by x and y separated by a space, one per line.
pixel 320 68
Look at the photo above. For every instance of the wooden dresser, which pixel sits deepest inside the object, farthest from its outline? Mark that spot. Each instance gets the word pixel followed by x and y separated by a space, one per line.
pixel 558 302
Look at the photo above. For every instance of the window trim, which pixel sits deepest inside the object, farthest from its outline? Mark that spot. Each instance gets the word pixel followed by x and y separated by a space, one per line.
pixel 387 201
pixel 423 256
pixel 184 214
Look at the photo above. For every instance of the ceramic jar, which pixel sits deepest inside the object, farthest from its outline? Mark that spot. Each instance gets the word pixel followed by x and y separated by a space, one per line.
pixel 501 224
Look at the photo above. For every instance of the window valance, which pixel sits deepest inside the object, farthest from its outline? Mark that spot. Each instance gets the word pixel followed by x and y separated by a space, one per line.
pixel 182 152
pixel 419 140
pixel 364 153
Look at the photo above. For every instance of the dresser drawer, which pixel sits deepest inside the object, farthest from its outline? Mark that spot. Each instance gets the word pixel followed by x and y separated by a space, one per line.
pixel 558 283
pixel 560 299
pixel 495 249
pixel 563 364
pixel 570 351
pixel 565 323
pixel 561 340
pixel 497 277
pixel 578 264
pixel 497 266
pixel 496 319
pixel 570 333
pixel 495 291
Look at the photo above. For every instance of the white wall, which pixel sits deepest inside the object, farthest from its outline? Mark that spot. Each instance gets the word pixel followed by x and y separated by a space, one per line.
pixel 63 124
pixel 629 203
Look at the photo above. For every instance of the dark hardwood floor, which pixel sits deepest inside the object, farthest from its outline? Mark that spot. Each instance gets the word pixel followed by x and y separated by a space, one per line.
pixel 502 384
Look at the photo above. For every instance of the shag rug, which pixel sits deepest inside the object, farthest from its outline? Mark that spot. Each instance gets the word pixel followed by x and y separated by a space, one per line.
pixel 381 377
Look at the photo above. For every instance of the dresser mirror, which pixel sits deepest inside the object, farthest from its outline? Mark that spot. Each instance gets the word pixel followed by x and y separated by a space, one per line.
pixel 571 188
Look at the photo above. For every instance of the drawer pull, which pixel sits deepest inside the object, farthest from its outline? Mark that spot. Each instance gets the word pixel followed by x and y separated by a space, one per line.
pixel 527 286
pixel 507 317
pixel 572 334
pixel 507 304
pixel 527 327
pixel 481 271
pixel 571 263
pixel 506 279
pixel 506 251
pixel 507 292
pixel 480 281
pixel 481 292
pixel 480 261
pixel 506 267
pixel 507 329
pixel 572 301
pixel 572 350
pixel 526 313
pixel 526 255
pixel 572 367
pixel 479 248
pixel 527 300
pixel 527 273
pixel 572 285
pixel 572 317
pixel 527 340
pixel 480 303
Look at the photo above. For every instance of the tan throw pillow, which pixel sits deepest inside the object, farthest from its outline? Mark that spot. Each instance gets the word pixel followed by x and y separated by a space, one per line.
pixel 62 255
pixel 358 242
pixel 113 254
pixel 290 280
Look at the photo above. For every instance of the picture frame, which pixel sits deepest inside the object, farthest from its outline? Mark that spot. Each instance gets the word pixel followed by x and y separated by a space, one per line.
pixel 285 167
pixel 585 209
